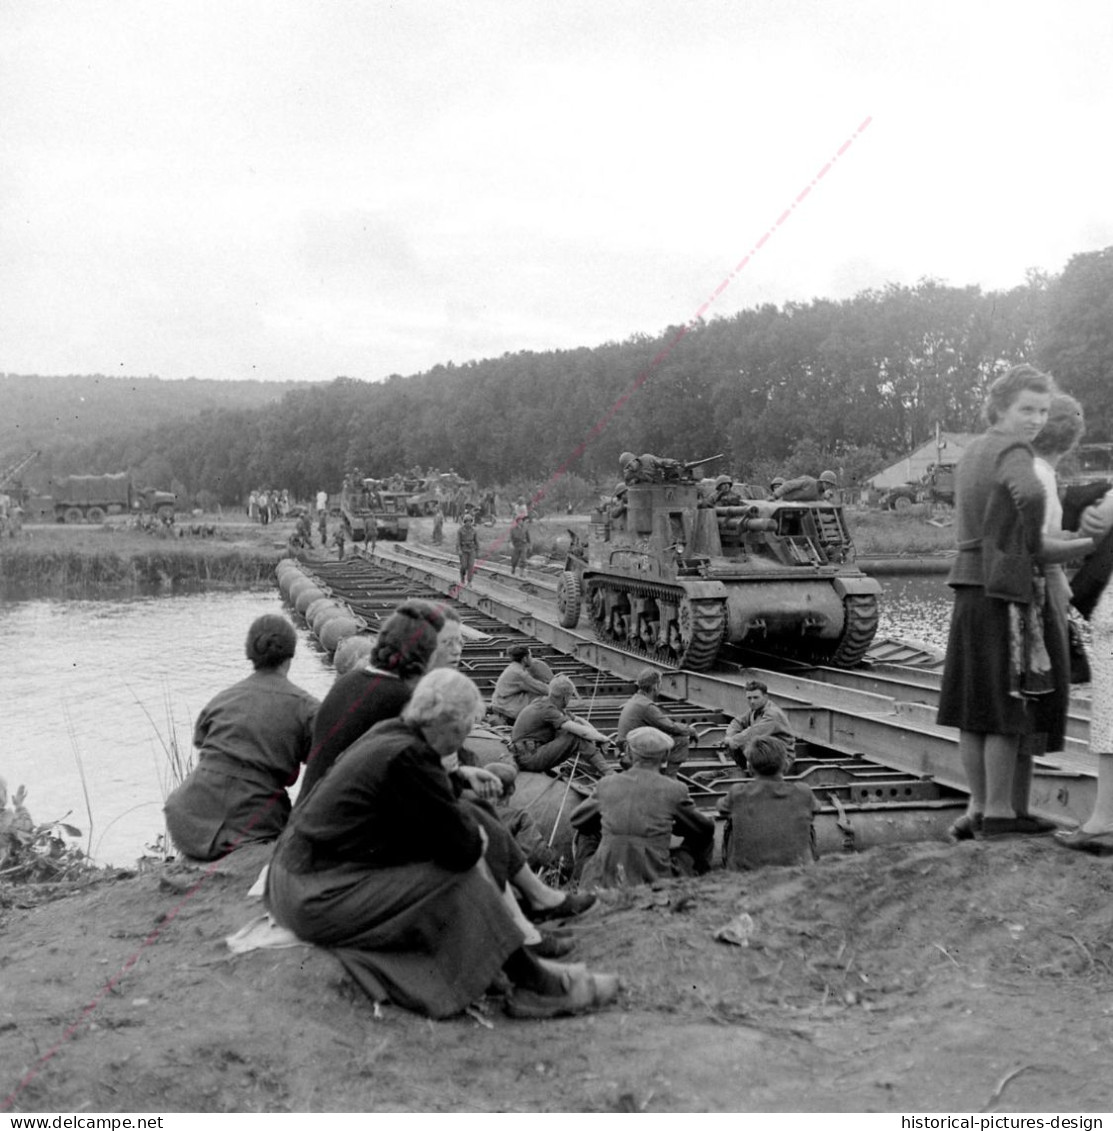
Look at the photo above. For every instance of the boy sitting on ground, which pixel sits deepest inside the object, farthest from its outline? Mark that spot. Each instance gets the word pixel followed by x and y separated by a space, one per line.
pixel 769 820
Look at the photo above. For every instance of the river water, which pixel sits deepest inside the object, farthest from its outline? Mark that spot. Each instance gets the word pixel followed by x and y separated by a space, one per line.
pixel 100 686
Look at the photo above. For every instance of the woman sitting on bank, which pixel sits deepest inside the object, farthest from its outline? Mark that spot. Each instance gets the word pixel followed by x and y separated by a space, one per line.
pixel 376 689
pixel 252 739
pixel 383 864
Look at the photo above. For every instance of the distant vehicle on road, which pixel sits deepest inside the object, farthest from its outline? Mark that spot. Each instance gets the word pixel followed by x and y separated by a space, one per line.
pixel 92 498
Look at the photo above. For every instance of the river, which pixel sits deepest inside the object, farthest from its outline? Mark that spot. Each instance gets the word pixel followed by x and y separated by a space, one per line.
pixel 100 686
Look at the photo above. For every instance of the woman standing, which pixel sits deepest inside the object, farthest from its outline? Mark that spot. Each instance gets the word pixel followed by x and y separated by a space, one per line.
pixel 252 740
pixel 993 691
pixel 1093 597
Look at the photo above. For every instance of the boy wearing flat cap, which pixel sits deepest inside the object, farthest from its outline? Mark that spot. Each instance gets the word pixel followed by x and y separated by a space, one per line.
pixel 624 831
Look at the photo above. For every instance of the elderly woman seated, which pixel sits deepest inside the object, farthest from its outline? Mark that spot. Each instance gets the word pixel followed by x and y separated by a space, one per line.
pixel 624 831
pixel 252 739
pixel 387 867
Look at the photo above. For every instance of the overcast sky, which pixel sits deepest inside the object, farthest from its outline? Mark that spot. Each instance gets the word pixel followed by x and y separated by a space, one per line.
pixel 299 189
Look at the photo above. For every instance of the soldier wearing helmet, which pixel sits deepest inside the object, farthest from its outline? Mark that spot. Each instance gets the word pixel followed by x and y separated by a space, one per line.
pixel 467 546
pixel 725 494
pixel 648 468
pixel 807 489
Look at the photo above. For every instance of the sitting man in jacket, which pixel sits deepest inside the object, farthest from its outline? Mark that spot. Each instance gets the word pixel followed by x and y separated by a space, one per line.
pixel 624 832
pixel 769 820
pixel 546 734
pixel 763 718
pixel 521 681
pixel 641 710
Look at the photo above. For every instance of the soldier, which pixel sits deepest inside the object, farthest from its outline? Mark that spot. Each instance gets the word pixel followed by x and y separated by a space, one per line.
pixel 519 545
pixel 322 525
pixel 764 718
pixel 438 524
pixel 725 494
pixel 807 489
pixel 467 546
pixel 641 710
pixel 546 734
pixel 648 468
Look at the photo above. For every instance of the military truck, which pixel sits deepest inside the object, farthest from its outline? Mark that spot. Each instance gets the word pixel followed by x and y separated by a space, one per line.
pixel 362 499
pixel 92 498
pixel 666 576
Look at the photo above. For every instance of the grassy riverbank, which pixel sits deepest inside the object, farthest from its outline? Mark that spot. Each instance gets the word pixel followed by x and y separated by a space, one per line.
pixel 85 559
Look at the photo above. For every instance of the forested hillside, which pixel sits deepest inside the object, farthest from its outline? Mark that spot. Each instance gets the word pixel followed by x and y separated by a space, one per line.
pixel 850 384
pixel 57 413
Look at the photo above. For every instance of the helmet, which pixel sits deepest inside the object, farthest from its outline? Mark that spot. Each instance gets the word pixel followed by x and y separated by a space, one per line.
pixel 620 489
pixel 469 517
pixel 625 458
pixel 723 481
pixel 828 477
pixel 776 481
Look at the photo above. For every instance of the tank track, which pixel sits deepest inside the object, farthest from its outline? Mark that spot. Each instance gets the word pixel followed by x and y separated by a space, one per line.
pixel 862 616
pixel 702 621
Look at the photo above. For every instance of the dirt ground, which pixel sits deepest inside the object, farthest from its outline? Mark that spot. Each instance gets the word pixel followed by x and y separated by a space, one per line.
pixel 925 977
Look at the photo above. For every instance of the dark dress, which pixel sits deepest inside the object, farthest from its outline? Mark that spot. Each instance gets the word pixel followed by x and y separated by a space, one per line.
pixel 355 702
pixel 252 739
pixel 975 694
pixel 381 865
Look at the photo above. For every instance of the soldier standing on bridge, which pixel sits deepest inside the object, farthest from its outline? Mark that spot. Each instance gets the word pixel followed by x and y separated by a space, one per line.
pixel 467 546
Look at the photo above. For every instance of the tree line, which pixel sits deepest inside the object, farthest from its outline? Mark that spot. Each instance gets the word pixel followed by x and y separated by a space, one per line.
pixel 851 384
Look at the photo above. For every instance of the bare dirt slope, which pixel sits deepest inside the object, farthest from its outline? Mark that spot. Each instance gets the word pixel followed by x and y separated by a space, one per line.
pixel 924 977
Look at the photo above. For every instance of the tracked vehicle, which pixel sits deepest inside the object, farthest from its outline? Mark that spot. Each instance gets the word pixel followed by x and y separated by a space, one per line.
pixel 672 578
pixel 362 500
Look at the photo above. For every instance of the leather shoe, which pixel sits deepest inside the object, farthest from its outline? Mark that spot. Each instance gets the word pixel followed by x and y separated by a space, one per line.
pixel 574 903
pixel 583 992
pixel 966 827
pixel 996 827
pixel 552 945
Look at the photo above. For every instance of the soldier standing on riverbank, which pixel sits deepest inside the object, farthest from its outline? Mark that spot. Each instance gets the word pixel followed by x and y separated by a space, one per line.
pixel 467 546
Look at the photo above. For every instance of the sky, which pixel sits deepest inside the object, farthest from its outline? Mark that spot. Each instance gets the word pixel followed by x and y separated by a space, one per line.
pixel 304 189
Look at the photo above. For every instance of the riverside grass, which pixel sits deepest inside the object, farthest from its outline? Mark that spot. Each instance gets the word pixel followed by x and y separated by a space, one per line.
pixel 87 560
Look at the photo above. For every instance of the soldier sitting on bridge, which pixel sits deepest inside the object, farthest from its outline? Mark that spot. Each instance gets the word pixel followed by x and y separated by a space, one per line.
pixel 764 718
pixel 521 681
pixel 547 734
pixel 641 710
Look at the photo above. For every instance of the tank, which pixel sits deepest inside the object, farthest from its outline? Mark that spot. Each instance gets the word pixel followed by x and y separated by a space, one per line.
pixel 673 579
pixel 363 498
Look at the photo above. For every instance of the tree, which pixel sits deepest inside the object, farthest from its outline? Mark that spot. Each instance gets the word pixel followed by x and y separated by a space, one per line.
pixel 1077 346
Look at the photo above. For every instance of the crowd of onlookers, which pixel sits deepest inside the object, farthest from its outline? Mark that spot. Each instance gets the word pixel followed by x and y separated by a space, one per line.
pixel 264 505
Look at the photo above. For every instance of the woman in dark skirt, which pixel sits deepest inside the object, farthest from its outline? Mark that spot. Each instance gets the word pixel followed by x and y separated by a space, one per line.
pixel 385 866
pixel 252 740
pixel 993 691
